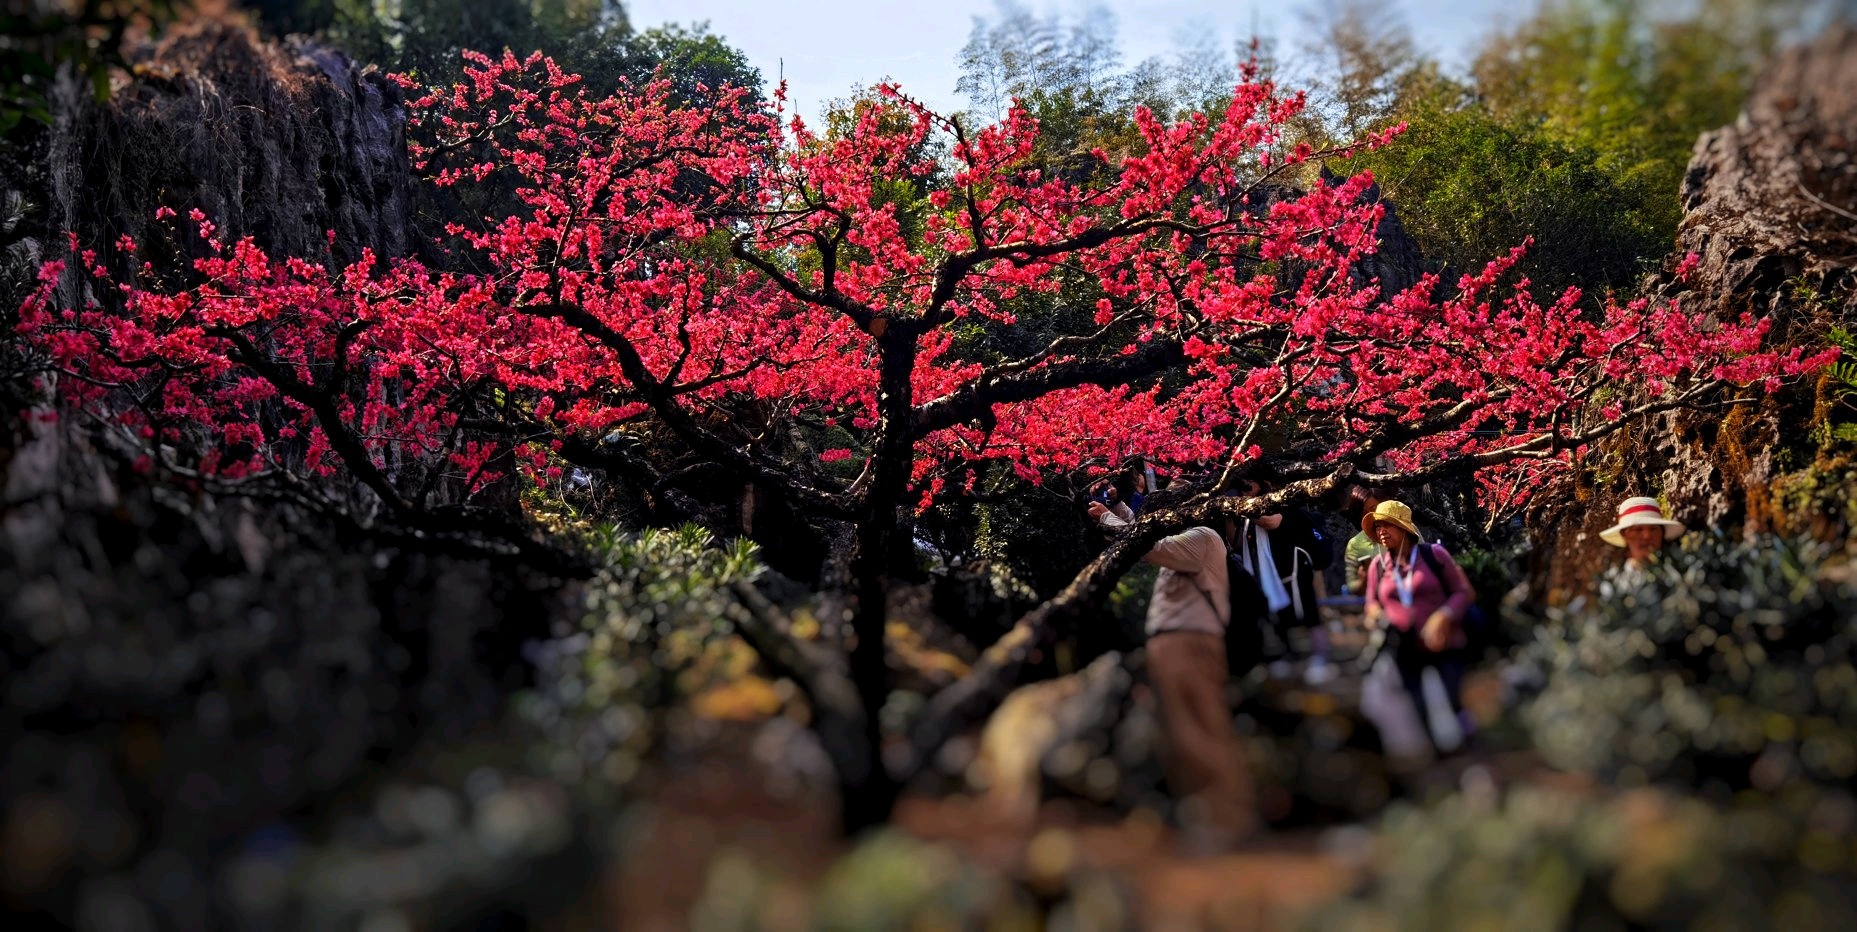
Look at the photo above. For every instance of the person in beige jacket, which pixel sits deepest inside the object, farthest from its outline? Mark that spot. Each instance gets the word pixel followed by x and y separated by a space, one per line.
pixel 1187 618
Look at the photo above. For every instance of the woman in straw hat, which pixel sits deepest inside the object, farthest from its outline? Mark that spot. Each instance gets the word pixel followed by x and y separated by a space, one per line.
pixel 1642 530
pixel 1421 596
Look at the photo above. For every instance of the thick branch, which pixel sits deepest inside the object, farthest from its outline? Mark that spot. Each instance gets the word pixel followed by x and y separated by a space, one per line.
pixel 828 298
pixel 975 400
pixel 342 440
pixel 956 268
pixel 816 668
pixel 663 402
pixel 1540 446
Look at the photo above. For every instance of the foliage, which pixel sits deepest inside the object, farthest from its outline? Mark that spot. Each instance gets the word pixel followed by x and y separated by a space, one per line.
pixel 591 38
pixel 655 640
pixel 87 36
pixel 1843 377
pixel 1469 184
pixel 1716 689
pixel 1067 72
pixel 1544 858
pixel 1633 82
pixel 390 364
pixel 1726 666
pixel 1360 55
pixel 1575 128
pixel 1019 54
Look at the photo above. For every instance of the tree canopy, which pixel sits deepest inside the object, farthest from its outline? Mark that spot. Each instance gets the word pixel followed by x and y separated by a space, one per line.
pixel 672 281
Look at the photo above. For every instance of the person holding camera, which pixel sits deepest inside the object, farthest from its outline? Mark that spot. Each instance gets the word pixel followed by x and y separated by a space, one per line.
pixel 1186 627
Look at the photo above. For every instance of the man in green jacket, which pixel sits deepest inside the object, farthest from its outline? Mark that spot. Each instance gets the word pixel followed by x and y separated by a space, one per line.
pixel 1361 548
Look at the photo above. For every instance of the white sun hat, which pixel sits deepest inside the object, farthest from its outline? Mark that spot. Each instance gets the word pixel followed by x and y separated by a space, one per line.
pixel 1641 510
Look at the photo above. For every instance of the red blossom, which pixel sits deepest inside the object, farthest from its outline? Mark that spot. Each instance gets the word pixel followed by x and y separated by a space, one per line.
pixel 651 268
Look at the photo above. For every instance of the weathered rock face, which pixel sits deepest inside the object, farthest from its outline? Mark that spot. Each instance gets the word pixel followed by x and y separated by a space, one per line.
pixel 1774 196
pixel 188 680
pixel 1771 210
pixel 1399 263
pixel 285 143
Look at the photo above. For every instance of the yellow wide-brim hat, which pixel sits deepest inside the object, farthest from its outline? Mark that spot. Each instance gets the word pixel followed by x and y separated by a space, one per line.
pixel 1633 512
pixel 1393 513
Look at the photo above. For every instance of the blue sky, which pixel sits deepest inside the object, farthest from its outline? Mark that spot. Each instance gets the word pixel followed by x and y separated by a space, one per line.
pixel 830 47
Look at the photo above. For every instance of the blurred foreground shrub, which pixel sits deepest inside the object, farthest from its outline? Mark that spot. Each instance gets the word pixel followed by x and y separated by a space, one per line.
pixel 653 653
pixel 1549 859
pixel 1709 701
pixel 514 821
pixel 1726 667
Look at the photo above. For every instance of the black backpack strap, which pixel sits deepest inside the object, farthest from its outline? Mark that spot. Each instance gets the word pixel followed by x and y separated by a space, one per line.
pixel 1428 551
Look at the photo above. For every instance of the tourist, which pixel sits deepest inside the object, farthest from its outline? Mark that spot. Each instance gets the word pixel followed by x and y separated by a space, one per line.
pixel 1145 484
pixel 1108 493
pixel 1421 597
pixel 1187 619
pixel 1642 530
pixel 1286 553
pixel 1361 548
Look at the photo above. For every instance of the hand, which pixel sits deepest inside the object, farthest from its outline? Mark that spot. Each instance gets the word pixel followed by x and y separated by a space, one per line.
pixel 1437 631
pixel 1097 510
pixel 1371 619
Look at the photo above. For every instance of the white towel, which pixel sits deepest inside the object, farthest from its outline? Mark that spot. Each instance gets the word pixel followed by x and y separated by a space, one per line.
pixel 1263 564
pixel 1445 728
pixel 1386 703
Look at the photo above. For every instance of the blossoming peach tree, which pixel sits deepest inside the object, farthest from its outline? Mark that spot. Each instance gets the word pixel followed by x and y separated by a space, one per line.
pixel 736 289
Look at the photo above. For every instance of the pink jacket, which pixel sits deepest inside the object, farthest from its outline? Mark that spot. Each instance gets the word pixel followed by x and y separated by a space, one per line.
pixel 1429 593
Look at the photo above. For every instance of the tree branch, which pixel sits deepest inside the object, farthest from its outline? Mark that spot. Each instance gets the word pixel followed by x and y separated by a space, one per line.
pixel 976 399
pixel 965 702
pixel 705 442
pixel 828 298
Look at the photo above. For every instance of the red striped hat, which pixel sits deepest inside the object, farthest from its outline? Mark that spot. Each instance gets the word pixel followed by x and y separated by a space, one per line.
pixel 1640 510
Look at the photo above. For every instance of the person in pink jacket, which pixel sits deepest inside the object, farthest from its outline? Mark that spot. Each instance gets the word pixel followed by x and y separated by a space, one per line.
pixel 1422 598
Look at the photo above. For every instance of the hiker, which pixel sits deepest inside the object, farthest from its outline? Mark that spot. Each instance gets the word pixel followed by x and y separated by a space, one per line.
pixel 1421 597
pixel 1187 619
pixel 1286 552
pixel 1361 547
pixel 1108 493
pixel 1642 530
pixel 1145 484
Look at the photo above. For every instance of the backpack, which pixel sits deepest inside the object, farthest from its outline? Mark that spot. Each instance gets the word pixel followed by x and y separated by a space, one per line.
pixel 1244 633
pixel 1321 548
pixel 1474 619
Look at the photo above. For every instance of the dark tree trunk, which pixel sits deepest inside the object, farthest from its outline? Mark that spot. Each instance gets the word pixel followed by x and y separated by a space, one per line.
pixel 868 798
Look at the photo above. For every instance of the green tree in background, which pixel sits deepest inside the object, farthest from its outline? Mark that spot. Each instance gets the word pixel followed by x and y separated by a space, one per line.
pixel 1355 59
pixel 86 35
pixel 1633 82
pixel 1574 128
pixel 1469 184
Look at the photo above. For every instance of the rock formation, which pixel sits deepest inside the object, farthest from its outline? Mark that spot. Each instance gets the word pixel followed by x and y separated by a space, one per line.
pixel 1773 197
pixel 286 143
pixel 1770 209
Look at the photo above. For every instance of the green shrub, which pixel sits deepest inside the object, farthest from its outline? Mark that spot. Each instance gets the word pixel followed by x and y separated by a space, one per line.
pixel 654 636
pixel 1726 666
pixel 1712 700
pixel 1547 859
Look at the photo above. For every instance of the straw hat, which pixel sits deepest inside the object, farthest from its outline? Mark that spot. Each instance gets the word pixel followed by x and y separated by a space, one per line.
pixel 1633 512
pixel 1393 513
